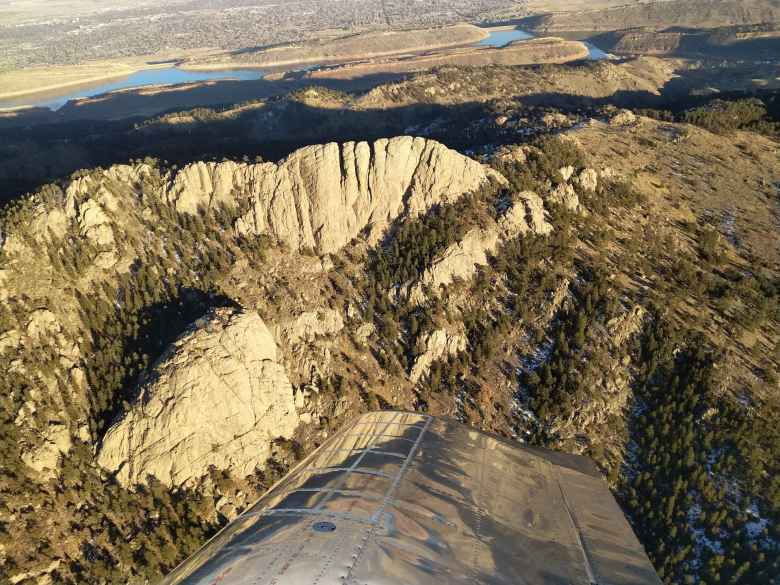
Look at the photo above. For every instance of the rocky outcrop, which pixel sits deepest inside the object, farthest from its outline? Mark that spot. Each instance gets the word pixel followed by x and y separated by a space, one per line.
pixel 461 260
pixel 218 397
pixel 434 346
pixel 623 118
pixel 564 194
pixel 322 196
pixel 589 180
pixel 56 442
pixel 527 215
pixel 308 326
pixel 625 326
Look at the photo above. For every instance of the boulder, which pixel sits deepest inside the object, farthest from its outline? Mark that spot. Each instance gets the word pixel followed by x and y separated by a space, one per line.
pixel 218 397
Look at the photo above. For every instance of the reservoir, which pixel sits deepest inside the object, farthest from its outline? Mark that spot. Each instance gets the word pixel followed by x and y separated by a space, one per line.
pixel 167 76
pixel 504 37
pixel 173 75
pixel 501 38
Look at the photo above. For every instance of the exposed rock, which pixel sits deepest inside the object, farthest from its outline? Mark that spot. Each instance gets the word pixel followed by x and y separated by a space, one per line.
pixel 218 396
pixel 626 325
pixel 526 215
pixel 623 118
pixel 434 346
pixel 566 172
pixel 564 194
pixel 95 225
pixel 44 459
pixel 514 154
pixel 42 324
pixel 589 180
pixel 459 261
pixel 556 120
pixel 9 341
pixel 364 332
pixel 312 324
pixel 323 196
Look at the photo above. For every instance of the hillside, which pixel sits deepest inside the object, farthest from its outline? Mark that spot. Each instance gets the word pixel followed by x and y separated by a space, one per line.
pixel 525 257
pixel 659 15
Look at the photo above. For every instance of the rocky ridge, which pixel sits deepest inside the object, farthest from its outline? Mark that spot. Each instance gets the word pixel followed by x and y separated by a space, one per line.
pixel 527 215
pixel 95 231
pixel 322 196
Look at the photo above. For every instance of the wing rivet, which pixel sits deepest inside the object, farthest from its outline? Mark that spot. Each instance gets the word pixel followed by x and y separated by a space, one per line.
pixel 323 527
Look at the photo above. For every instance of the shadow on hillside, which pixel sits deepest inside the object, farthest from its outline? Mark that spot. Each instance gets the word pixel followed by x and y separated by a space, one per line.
pixel 40 153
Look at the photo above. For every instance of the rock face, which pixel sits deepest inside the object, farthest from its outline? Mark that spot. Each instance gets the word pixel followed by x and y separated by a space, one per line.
pixel 322 196
pixel 218 397
pixel 434 346
pixel 460 260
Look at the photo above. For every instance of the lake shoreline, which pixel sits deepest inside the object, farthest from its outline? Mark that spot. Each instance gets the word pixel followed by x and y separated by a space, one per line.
pixel 181 70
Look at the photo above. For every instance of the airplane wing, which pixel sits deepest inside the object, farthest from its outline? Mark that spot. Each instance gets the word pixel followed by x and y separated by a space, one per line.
pixel 400 498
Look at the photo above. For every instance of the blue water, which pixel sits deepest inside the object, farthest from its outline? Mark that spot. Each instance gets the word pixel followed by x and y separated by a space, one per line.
pixel 596 54
pixel 169 76
pixel 503 37
pixel 173 75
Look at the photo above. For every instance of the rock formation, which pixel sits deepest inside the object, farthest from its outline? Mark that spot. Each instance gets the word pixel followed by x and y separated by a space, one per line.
pixel 434 346
pixel 322 196
pixel 218 397
pixel 526 215
pixel 460 260
pixel 310 325
pixel 564 194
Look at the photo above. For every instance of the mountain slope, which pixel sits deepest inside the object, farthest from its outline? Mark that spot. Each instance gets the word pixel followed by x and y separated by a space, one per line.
pixel 611 290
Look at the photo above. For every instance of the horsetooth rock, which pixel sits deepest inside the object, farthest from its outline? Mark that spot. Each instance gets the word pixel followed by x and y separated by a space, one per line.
pixel 218 397
pixel 322 196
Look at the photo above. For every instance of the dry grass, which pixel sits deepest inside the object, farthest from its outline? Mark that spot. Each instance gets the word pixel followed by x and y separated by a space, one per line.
pixel 536 51
pixel 348 48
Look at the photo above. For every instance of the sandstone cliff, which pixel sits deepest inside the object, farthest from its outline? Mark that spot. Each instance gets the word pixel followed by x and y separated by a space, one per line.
pixel 218 397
